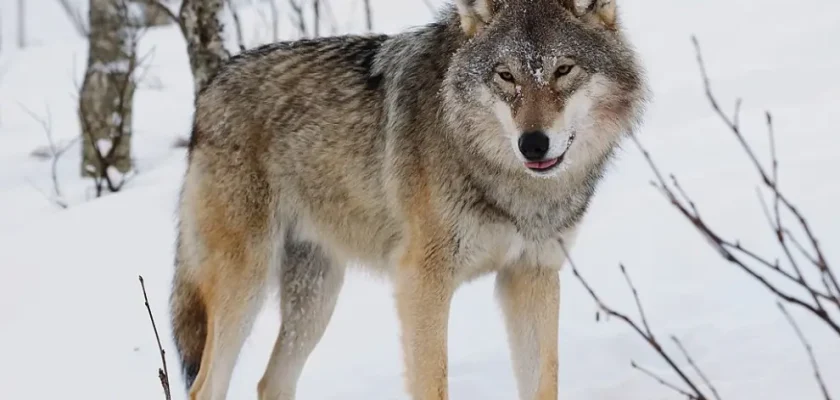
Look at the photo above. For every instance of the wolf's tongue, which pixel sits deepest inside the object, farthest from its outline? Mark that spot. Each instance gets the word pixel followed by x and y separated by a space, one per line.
pixel 541 164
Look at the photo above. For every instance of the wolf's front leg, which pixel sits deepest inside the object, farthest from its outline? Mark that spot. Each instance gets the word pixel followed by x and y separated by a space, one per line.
pixel 530 301
pixel 424 288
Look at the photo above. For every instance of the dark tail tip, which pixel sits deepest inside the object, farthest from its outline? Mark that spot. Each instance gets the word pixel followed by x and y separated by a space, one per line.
pixel 189 327
pixel 190 373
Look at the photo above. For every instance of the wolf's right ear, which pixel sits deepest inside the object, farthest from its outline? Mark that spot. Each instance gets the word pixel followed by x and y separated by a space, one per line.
pixel 475 14
pixel 597 12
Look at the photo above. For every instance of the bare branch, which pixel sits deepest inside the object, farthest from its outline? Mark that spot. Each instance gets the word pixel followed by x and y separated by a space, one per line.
pixel 808 349
pixel 163 374
pixel 771 183
pixel 237 25
pixel 644 333
pixel 732 251
pixel 662 381
pixel 55 153
pixel 368 16
pixel 275 21
pixel 724 247
pixel 694 366
pixel 736 116
pixel 636 299
pixel 301 19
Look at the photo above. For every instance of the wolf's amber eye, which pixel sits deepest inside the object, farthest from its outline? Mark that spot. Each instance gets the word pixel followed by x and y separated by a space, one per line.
pixel 563 70
pixel 506 76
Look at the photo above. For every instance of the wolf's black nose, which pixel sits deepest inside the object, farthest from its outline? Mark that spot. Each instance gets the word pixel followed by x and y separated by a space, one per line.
pixel 533 145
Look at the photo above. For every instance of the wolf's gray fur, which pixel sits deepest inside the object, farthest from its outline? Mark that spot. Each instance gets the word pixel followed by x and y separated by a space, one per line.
pixel 400 153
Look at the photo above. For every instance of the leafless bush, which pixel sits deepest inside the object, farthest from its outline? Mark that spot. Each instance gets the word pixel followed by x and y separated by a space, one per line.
pixel 820 300
pixel 52 152
pixel 695 391
pixel 819 296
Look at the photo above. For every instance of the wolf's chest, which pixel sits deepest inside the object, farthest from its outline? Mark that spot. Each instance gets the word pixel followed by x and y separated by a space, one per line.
pixel 492 247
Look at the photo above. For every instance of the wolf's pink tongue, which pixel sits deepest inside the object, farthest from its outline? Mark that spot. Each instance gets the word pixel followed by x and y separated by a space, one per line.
pixel 541 164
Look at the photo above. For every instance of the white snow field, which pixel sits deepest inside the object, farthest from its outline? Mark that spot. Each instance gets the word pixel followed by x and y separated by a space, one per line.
pixel 72 320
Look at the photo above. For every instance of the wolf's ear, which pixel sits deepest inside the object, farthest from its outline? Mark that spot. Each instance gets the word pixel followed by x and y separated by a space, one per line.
pixel 475 14
pixel 598 12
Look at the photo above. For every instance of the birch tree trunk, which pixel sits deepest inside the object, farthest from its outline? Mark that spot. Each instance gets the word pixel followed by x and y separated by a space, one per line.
pixel 202 30
pixel 107 94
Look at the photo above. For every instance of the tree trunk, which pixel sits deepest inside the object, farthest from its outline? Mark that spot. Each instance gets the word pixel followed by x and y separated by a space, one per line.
pixel 21 24
pixel 203 33
pixel 107 94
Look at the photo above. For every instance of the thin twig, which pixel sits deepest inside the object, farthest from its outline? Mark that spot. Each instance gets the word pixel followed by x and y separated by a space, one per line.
pixel 694 366
pixel 55 153
pixel 301 19
pixel 163 374
pixel 808 349
pixel 636 299
pixel 275 21
pixel 368 16
pixel 648 337
pixel 662 381
pixel 765 177
pixel 237 25
pixel 724 250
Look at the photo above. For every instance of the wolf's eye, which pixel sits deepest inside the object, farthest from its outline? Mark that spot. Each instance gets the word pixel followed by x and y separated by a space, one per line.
pixel 506 76
pixel 563 70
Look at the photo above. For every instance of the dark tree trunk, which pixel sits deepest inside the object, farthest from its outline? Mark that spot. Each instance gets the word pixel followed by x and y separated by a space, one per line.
pixel 107 93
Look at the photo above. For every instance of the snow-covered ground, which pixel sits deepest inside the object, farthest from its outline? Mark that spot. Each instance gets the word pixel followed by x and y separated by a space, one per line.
pixel 72 319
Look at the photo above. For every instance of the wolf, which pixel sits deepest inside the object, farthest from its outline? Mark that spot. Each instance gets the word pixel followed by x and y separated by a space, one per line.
pixel 468 146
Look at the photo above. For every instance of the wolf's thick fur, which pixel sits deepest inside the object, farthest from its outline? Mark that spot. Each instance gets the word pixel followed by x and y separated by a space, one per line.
pixel 407 154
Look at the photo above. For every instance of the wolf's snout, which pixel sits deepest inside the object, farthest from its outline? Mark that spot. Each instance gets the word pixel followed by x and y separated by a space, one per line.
pixel 534 145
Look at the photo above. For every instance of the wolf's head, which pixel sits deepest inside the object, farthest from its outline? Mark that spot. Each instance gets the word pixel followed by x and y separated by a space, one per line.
pixel 542 85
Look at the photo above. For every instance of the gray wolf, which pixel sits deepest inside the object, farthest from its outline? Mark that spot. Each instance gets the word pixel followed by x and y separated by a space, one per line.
pixel 468 146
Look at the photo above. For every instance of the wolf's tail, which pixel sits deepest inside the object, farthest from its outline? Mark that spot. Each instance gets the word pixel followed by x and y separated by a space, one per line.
pixel 189 324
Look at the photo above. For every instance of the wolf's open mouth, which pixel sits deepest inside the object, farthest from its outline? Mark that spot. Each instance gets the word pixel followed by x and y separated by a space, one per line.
pixel 546 165
pixel 550 164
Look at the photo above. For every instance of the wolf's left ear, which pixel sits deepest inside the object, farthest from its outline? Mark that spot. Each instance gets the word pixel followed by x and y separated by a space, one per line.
pixel 599 12
pixel 475 14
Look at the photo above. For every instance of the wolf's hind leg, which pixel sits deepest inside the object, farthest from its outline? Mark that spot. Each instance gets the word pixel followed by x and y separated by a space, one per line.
pixel 234 291
pixel 310 285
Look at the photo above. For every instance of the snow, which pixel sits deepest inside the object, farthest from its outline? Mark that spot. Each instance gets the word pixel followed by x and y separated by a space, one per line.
pixel 72 319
